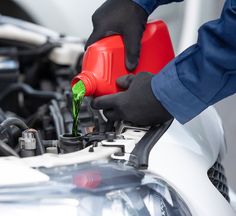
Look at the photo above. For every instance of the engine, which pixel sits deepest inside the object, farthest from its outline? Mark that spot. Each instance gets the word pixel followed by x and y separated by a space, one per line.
pixel 36 67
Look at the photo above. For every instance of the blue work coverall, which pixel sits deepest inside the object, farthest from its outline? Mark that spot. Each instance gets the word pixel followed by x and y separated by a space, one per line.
pixel 204 73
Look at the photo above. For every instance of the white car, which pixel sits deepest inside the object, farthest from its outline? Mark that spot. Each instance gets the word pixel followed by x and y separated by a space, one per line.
pixel 171 169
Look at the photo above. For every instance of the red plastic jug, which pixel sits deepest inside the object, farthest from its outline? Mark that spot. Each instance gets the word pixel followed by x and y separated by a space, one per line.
pixel 104 61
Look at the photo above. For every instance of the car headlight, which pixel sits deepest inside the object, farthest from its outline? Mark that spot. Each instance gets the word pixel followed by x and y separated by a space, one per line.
pixel 90 189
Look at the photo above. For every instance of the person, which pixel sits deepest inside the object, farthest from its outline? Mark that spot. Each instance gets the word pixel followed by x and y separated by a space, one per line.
pixel 199 77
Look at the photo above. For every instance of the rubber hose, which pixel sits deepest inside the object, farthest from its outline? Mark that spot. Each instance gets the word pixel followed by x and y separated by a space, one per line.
pixel 13 122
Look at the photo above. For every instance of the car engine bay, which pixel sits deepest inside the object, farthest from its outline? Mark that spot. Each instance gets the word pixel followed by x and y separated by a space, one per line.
pixel 35 98
pixel 36 68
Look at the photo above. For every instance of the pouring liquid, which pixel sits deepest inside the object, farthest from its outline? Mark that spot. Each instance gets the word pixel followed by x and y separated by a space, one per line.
pixel 78 92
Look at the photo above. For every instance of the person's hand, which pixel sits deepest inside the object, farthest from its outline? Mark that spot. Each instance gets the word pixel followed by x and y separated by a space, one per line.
pixel 137 104
pixel 123 17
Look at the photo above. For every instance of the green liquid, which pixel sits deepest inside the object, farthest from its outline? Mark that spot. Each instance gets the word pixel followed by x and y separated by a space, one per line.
pixel 78 92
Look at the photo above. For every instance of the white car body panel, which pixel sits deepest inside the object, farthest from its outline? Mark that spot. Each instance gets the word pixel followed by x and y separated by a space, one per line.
pixel 181 157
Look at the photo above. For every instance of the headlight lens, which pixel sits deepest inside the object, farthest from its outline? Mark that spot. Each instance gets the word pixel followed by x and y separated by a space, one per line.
pixel 102 189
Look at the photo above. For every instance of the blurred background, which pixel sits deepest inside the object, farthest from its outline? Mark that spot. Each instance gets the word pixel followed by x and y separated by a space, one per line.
pixel 74 18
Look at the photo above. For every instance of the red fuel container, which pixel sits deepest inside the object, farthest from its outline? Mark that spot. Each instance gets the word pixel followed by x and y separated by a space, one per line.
pixel 104 61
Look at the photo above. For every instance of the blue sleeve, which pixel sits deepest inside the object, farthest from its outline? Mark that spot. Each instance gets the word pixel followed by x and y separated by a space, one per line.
pixel 204 73
pixel 151 5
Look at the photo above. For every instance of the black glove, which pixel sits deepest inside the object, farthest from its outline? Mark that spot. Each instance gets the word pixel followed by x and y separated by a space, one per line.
pixel 123 17
pixel 137 104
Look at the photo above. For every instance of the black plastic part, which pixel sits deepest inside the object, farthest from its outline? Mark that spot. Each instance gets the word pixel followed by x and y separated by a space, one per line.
pixel 13 122
pixel 93 138
pixel 40 149
pixel 110 136
pixel 27 153
pixel 109 126
pixel 69 143
pixel 217 176
pixel 140 154
pixel 91 149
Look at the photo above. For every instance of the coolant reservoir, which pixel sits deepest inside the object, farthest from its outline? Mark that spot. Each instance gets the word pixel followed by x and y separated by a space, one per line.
pixel 104 61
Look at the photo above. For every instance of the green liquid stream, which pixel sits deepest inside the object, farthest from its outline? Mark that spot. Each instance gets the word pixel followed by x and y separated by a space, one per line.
pixel 78 92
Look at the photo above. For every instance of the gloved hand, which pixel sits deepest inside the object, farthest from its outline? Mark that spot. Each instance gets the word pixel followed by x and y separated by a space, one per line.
pixel 137 104
pixel 123 17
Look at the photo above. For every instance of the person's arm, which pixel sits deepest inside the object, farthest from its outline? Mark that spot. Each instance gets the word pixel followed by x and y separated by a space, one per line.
pixel 151 5
pixel 204 73
pixel 127 18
